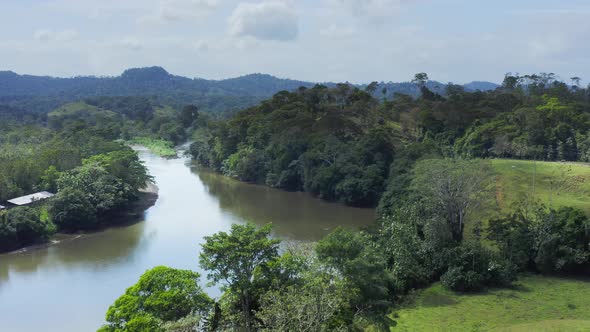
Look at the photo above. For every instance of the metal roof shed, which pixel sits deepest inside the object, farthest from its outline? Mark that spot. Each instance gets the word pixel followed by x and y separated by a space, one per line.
pixel 28 199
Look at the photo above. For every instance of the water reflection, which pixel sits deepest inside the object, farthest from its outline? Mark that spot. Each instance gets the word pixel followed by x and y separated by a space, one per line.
pixel 91 251
pixel 295 215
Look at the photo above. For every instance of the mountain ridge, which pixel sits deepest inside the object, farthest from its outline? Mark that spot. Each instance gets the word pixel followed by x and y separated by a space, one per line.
pixel 43 93
pixel 14 84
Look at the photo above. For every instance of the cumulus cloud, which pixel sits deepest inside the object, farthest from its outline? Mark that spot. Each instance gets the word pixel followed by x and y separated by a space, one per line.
pixel 269 20
pixel 52 35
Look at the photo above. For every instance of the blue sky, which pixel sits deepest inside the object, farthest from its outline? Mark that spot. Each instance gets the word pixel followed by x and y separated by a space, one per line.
pixel 316 40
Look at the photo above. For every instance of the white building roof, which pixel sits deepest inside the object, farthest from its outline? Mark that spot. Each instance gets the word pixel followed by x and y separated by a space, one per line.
pixel 24 200
pixel 2 207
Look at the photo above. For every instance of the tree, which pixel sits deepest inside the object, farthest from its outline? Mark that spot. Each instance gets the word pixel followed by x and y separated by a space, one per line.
pixel 405 250
pixel 312 306
pixel 104 191
pixel 70 210
pixel 514 238
pixel 49 179
pixel 562 241
pixel 232 259
pixel 372 87
pixel 510 81
pixel 161 295
pixel 575 81
pixel 420 79
pixel 189 115
pixel 28 226
pixel 123 164
pixel 363 265
pixel 455 186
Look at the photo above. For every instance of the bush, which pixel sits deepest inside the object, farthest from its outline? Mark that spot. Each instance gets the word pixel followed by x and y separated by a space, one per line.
pixel 22 226
pixel 462 281
pixel 70 210
pixel 473 267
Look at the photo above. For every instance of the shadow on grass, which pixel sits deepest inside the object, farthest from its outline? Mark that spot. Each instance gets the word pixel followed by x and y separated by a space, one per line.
pixel 437 300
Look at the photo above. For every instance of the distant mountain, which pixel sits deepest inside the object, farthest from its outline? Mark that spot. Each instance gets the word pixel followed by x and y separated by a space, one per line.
pixel 28 91
pixel 480 85
pixel 142 81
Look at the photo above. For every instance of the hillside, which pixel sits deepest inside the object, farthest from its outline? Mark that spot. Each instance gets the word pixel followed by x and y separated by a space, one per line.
pixel 336 143
pixel 534 304
pixel 157 81
pixel 45 93
pixel 556 184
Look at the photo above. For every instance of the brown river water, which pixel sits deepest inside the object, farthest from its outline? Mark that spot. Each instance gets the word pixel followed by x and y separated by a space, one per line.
pixel 68 286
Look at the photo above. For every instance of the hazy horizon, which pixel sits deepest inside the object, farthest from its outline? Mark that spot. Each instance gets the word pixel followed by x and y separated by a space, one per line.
pixel 226 78
pixel 317 41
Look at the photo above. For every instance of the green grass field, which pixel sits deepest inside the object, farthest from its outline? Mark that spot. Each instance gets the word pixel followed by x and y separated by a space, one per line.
pixel 556 184
pixel 535 304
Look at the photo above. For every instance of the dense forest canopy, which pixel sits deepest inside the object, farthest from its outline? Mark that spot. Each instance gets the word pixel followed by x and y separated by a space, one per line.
pixel 341 143
pixel 78 151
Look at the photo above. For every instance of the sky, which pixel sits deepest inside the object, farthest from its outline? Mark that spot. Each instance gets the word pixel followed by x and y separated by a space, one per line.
pixel 358 41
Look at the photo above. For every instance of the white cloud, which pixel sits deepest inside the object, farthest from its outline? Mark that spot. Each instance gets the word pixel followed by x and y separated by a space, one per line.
pixel 269 20
pixel 176 10
pixel 52 35
pixel 376 10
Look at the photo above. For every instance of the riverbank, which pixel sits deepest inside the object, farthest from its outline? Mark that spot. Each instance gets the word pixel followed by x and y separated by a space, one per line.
pixel 162 148
pixel 133 213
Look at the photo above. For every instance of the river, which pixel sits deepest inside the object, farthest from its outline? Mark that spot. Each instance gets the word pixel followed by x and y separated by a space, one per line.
pixel 68 287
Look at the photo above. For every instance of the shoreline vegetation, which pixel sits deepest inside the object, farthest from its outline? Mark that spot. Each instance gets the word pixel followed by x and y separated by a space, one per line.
pixel 147 198
pixel 162 148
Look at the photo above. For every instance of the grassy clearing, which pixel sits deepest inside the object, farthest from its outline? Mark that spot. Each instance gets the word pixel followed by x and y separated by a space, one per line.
pixel 555 184
pixel 535 304
pixel 160 147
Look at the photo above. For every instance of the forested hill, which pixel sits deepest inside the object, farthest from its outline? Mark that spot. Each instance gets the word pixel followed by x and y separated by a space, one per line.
pixel 45 93
pixel 142 81
pixel 339 142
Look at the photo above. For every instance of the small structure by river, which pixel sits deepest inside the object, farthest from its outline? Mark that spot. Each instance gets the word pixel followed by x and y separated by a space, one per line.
pixel 29 199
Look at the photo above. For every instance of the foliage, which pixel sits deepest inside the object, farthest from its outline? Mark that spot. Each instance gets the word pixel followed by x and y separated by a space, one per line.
pixel 315 303
pixel 123 164
pixel 543 239
pixel 22 226
pixel 161 295
pixel 71 210
pixel 455 187
pixel 160 147
pixel 334 143
pixel 233 258
pixel 362 264
pixel 103 190
pixel 473 267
